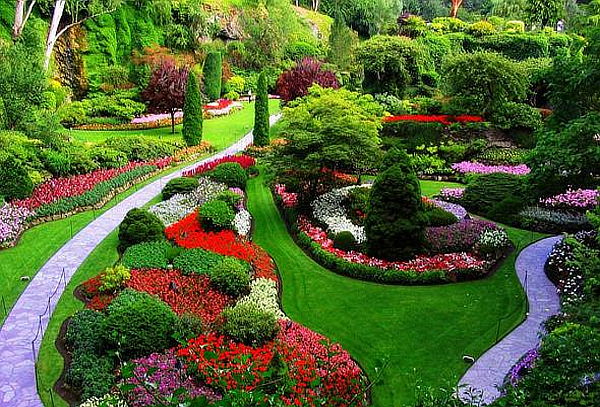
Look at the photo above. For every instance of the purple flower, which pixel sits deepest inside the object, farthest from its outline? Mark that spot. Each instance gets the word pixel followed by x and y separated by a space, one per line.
pixel 458 237
pixel 522 366
pixel 452 194
pixel 13 221
pixel 579 199
pixel 454 209
pixel 467 167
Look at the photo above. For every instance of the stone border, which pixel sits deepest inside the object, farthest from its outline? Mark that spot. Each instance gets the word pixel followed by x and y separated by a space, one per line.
pixel 487 374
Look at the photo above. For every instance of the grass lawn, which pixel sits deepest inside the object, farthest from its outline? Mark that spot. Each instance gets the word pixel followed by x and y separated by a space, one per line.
pixel 400 334
pixel 220 131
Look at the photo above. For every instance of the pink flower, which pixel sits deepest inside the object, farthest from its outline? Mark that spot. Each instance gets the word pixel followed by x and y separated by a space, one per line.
pixel 467 167
pixel 580 199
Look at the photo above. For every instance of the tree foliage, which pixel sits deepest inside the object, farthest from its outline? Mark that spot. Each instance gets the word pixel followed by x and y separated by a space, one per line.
pixel 213 72
pixel 166 89
pixel 261 112
pixel 543 13
pixel 295 82
pixel 192 112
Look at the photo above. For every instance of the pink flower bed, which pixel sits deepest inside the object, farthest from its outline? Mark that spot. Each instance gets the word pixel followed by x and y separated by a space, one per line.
pixel 467 167
pixel 579 199
pixel 444 262
pixel 244 160
pixel 151 118
pixel 452 194
pixel 13 220
pixel 290 199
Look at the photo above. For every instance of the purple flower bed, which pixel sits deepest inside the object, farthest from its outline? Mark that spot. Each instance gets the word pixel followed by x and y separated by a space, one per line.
pixel 580 200
pixel 452 194
pixel 454 209
pixel 458 237
pixel 164 374
pixel 467 167
pixel 518 371
pixel 13 220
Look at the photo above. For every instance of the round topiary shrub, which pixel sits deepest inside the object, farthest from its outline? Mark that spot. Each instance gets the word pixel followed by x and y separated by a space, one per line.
pixel 139 226
pixel 231 174
pixel 231 276
pixel 436 216
pixel 250 325
pixel 230 198
pixel 181 185
pixel 216 215
pixel 139 324
pixel 15 182
pixel 345 241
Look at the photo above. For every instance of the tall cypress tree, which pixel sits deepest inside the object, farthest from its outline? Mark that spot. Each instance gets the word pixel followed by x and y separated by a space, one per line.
pixel 261 112
pixel 192 112
pixel 213 72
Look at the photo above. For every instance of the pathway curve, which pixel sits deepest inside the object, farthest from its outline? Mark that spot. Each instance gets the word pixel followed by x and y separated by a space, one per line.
pixel 489 371
pixel 17 359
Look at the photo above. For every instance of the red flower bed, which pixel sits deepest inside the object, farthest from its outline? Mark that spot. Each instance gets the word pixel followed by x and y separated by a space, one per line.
pixel 243 160
pixel 220 104
pixel 432 118
pixel 183 293
pixel 189 234
pixel 340 176
pixel 227 365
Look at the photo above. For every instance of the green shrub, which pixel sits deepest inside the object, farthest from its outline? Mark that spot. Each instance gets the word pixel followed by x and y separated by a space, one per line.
pixel 92 374
pixel 213 71
pixel 248 324
pixel 139 226
pixel 85 332
pixel 216 215
pixel 345 241
pixel 231 174
pixel 192 112
pixel 198 261
pixel 188 326
pixel 436 216
pixel 114 278
pixel 481 28
pixel 229 197
pixel 15 182
pixel 108 157
pixel 507 210
pixel 139 324
pixel 148 255
pixel 139 148
pixel 515 26
pixel 414 134
pixel 484 191
pixel 231 276
pixel 513 46
pixel 517 116
pixel 182 185
pixel 295 51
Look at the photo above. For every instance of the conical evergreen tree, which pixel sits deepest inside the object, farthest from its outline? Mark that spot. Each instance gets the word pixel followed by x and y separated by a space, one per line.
pixel 213 72
pixel 192 112
pixel 261 112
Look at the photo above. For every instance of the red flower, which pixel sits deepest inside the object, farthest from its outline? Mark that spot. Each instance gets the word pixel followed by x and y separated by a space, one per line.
pixel 440 118
pixel 243 160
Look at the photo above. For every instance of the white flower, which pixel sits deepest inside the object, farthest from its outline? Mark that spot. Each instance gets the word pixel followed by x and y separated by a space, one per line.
pixel 108 400
pixel 264 296
pixel 242 222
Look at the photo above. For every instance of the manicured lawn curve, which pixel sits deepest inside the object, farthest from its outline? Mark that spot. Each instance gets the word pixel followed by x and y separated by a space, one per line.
pixel 399 334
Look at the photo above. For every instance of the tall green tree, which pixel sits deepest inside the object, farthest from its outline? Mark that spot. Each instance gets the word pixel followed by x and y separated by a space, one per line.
pixel 261 112
pixel 543 13
pixel 192 112
pixel 213 72
pixel 342 45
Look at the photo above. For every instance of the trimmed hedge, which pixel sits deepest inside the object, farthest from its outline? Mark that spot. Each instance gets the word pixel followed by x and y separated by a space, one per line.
pixel 231 276
pixel 216 215
pixel 181 185
pixel 198 261
pixel 248 324
pixel 148 255
pixel 483 192
pixel 140 226
pixel 231 174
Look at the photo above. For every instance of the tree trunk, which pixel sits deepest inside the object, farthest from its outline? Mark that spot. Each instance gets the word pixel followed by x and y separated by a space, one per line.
pixel 21 16
pixel 454 8
pixel 172 122
pixel 59 8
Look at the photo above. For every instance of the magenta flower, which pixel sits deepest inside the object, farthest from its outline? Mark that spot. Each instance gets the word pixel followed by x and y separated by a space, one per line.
pixel 467 167
pixel 579 199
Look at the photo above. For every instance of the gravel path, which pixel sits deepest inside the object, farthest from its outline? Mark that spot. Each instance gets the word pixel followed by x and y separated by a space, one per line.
pixel 17 360
pixel 489 371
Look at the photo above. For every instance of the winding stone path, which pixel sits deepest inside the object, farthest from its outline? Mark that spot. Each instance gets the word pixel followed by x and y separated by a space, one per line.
pixel 489 371
pixel 17 352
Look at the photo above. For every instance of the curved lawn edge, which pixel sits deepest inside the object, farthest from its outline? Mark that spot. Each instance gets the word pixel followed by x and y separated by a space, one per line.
pixel 489 371
pixel 19 339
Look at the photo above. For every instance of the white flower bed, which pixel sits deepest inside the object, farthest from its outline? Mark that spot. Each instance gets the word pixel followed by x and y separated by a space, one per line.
pixel 108 400
pixel 329 210
pixel 264 296
pixel 242 222
pixel 181 205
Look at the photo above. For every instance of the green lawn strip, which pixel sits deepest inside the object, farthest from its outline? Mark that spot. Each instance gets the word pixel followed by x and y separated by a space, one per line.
pixel 220 131
pixel 415 333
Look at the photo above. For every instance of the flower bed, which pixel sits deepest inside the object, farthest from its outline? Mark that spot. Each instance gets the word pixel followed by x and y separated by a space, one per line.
pixel 553 220
pixel 467 167
pixel 452 194
pixel 243 160
pixel 442 119
pixel 13 221
pixel 574 200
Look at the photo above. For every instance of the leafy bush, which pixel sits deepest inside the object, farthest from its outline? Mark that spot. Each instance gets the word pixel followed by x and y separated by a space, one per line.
pixel 114 278
pixel 85 332
pixel 181 185
pixel 484 191
pixel 141 148
pixel 414 134
pixel 148 255
pixel 514 46
pixel 231 276
pixel 139 226
pixel 139 324
pixel 216 215
pixel 436 216
pixel 301 49
pixel 15 182
pixel 230 198
pixel 517 116
pixel 507 210
pixel 345 241
pixel 108 157
pixel 231 174
pixel 248 324
pixel 196 261
pixel 188 326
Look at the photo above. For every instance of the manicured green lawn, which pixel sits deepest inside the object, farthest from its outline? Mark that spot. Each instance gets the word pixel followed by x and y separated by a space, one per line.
pixel 220 131
pixel 403 334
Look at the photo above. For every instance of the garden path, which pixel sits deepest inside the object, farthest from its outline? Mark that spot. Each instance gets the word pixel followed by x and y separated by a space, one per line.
pixel 488 372
pixel 23 329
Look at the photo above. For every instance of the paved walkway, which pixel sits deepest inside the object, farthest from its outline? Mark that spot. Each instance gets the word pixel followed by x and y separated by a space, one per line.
pixel 489 371
pixel 17 369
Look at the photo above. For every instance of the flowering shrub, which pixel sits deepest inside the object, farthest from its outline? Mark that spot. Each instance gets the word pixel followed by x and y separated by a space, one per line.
pixel 579 200
pixel 454 262
pixel 563 273
pixel 443 119
pixel 191 293
pixel 452 194
pixel 289 199
pixel 227 365
pixel 161 373
pixel 13 221
pixel 243 160
pixel 492 242
pixel 460 236
pixel 264 295
pixel 466 167
pixel 523 365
